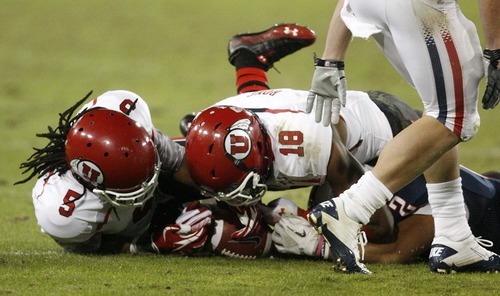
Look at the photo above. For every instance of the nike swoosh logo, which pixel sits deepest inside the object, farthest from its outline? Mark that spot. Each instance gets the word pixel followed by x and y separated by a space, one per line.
pixel 301 234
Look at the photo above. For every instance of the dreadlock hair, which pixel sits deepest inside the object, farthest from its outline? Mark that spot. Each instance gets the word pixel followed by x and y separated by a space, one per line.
pixel 53 156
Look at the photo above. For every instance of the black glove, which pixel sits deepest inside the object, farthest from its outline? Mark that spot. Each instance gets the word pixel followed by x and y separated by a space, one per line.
pixel 492 93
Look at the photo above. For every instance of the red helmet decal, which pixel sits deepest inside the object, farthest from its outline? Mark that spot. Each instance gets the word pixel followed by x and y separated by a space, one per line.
pixel 88 170
pixel 238 142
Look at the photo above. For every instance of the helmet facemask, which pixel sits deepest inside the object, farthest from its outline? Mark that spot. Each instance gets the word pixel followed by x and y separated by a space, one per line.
pixel 249 192
pixel 136 198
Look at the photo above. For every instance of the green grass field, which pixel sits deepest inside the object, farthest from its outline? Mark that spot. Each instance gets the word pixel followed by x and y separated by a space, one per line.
pixel 173 53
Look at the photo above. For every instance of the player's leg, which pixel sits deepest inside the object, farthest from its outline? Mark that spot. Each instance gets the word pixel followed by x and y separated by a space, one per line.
pixel 253 54
pixel 452 57
pixel 451 108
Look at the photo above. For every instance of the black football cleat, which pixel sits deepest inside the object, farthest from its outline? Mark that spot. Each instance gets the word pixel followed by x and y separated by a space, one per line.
pixel 272 44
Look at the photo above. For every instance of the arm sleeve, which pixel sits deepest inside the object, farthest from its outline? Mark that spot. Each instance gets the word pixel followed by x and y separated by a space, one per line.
pixel 171 153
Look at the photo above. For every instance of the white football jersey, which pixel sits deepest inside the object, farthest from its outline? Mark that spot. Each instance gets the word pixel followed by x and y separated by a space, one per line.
pixel 301 147
pixel 70 213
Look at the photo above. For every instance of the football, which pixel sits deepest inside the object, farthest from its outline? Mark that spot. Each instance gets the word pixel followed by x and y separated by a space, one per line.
pixel 250 247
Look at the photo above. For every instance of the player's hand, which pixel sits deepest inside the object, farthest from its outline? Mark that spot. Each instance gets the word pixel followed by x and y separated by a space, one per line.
pixel 173 240
pixel 250 217
pixel 328 90
pixel 492 93
pixel 278 207
pixel 194 217
pixel 294 235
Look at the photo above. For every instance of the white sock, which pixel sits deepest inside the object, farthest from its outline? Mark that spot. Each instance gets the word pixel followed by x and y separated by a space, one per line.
pixel 364 198
pixel 448 209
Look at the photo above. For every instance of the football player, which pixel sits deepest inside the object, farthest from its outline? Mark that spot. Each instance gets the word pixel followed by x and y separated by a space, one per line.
pixel 97 186
pixel 437 50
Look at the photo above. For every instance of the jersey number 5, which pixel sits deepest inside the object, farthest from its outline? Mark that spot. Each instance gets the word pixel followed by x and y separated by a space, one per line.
pixel 293 139
pixel 68 206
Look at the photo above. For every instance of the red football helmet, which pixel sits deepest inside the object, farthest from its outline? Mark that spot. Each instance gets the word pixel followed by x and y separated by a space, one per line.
pixel 114 156
pixel 228 155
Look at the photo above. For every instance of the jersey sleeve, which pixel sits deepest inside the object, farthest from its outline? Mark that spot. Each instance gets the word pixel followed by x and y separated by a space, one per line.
pixel 171 153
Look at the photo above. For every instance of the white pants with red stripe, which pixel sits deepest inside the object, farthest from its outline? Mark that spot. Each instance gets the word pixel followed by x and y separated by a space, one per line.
pixel 434 47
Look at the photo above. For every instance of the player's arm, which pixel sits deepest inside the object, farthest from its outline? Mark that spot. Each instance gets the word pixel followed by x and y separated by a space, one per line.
pixel 172 158
pixel 343 169
pixel 415 236
pixel 488 12
pixel 182 175
pixel 381 228
pixel 328 86
pixel 338 37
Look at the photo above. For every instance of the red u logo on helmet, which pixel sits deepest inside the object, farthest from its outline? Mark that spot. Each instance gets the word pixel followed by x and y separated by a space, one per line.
pixel 88 171
pixel 238 144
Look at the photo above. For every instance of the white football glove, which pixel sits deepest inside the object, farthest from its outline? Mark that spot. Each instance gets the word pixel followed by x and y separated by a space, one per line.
pixel 194 217
pixel 328 89
pixel 294 235
pixel 273 211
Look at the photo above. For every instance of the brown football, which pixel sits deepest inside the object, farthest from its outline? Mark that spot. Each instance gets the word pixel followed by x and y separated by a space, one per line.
pixel 250 247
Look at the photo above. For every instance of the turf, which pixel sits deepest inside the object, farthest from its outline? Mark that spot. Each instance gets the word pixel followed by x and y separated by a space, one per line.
pixel 173 53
